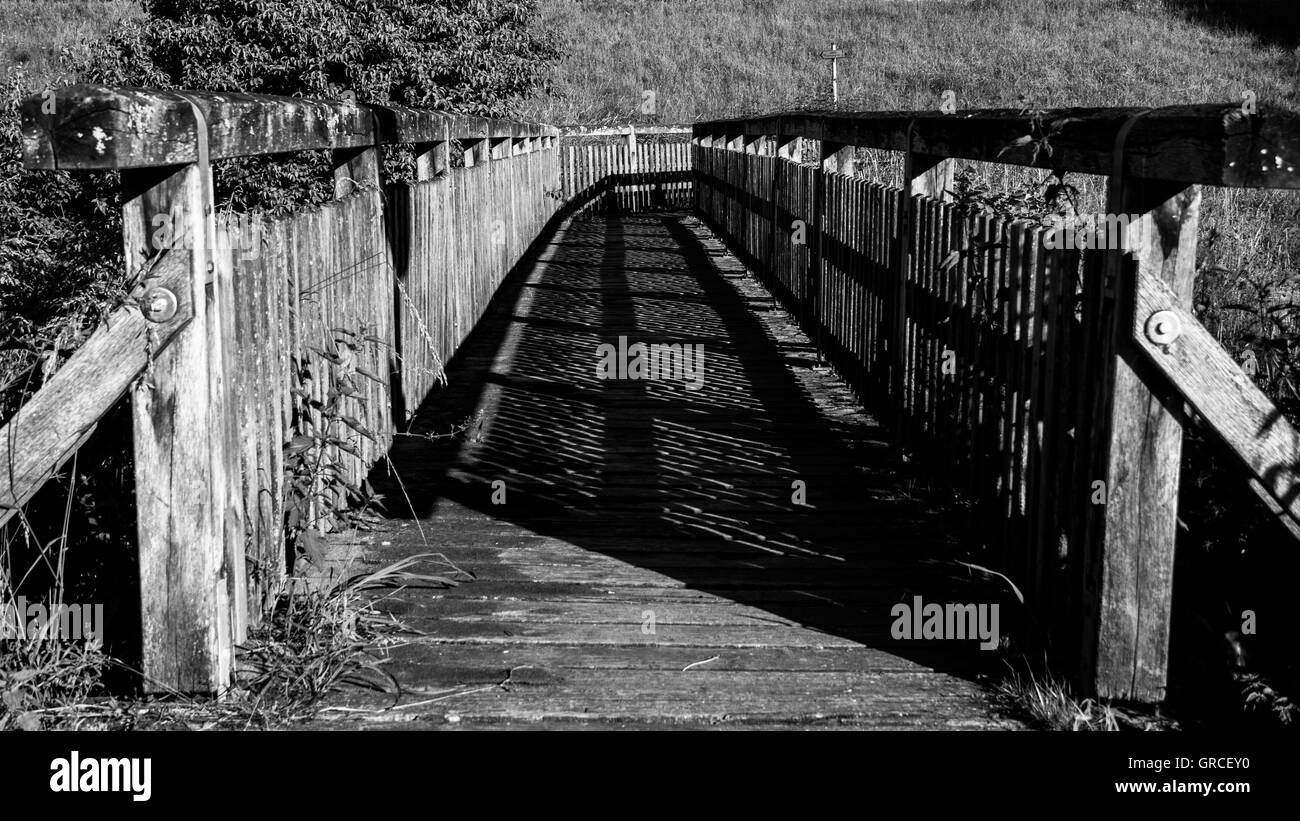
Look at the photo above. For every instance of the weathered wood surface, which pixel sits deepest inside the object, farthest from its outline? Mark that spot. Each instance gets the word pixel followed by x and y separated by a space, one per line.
pixel 621 131
pixel 1128 549
pixel 288 337
pixel 93 127
pixel 52 424
pixel 1205 144
pixel 456 237
pixel 278 319
pixel 624 498
pixel 313 310
pixel 607 170
pixel 1229 402
pixel 190 533
pixel 322 295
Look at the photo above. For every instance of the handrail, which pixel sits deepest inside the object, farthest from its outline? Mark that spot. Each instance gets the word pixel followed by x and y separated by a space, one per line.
pixel 97 127
pixel 1196 144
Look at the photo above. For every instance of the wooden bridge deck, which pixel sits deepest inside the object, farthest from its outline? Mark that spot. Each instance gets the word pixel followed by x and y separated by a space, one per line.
pixel 627 501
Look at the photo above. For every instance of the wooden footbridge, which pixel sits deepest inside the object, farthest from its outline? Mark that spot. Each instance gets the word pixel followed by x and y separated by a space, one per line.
pixel 723 539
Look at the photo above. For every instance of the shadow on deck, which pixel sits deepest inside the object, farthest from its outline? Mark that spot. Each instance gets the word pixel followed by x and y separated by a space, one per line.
pixel 646 527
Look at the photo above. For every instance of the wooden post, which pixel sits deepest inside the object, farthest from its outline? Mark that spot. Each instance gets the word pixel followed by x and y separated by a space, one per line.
pixel 838 159
pixel 183 457
pixel 431 160
pixel 795 149
pixel 353 169
pixel 434 159
pixel 1128 550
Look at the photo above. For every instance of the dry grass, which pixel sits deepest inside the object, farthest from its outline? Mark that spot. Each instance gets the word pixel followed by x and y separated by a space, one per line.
pixel 725 57
pixel 40 671
pixel 318 641
pixel 315 643
pixel 34 32
pixel 42 677
pixel 1048 703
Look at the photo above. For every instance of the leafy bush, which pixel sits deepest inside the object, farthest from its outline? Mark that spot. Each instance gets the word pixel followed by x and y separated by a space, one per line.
pixel 477 58
pixel 474 58
pixel 60 258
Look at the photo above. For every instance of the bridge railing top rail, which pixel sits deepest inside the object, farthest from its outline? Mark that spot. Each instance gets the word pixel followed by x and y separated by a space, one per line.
pixel 85 127
pixel 1223 145
pixel 622 130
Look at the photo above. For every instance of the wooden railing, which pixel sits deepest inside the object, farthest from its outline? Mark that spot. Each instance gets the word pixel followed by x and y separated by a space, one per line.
pixel 255 338
pixel 1050 383
pixel 627 169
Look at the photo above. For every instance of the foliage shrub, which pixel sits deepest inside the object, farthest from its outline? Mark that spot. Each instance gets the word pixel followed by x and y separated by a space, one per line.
pixel 60 258
pixel 479 57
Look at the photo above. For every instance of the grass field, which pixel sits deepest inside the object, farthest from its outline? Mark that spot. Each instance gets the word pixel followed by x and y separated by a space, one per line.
pixel 706 58
pixel 33 31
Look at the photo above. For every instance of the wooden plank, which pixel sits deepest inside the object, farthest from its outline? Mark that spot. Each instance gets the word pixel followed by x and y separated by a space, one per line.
pixel 1052 419
pixel 451 664
pixel 232 602
pixel 46 430
pixel 1229 404
pixel 224 397
pixel 1019 260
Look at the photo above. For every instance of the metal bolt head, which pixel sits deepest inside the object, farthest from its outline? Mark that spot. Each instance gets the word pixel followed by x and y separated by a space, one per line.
pixel 158 305
pixel 1163 327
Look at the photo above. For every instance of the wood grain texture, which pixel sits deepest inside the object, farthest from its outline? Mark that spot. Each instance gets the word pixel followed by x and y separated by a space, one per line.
pixel 1130 545
pixel 1227 400
pixel 179 441
pixel 100 127
pixel 596 177
pixel 48 428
